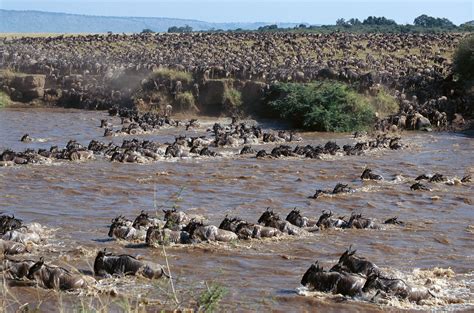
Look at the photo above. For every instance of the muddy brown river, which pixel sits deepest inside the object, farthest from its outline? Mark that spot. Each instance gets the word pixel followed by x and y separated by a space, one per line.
pixel 78 200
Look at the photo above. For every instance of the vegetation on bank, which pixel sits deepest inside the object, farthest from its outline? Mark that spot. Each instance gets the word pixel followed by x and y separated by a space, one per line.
pixel 4 99
pixel 172 75
pixel 464 59
pixel 324 106
pixel 232 99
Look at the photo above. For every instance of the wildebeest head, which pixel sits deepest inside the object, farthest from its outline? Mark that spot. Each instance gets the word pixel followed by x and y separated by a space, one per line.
pixel 346 256
pixel 312 270
pixel 192 226
pixel 35 268
pixel 169 213
pixel 226 223
pixel 151 234
pixel 141 220
pixel 372 281
pixel 295 218
pixel 324 216
pixel 266 216
pixel 117 222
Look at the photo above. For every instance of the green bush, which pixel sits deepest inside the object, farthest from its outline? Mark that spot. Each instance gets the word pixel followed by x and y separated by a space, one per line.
pixel 325 106
pixel 4 99
pixel 232 98
pixel 186 101
pixel 174 75
pixel 464 59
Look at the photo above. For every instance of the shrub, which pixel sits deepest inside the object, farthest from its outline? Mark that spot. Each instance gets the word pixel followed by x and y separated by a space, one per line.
pixel 4 99
pixel 385 104
pixel 232 98
pixel 186 101
pixel 326 106
pixel 170 74
pixel 464 59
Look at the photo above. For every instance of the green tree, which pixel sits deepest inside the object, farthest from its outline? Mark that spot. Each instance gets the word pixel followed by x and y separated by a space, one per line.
pixel 464 59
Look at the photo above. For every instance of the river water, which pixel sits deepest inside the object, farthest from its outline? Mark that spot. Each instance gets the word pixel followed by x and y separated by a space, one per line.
pixel 78 200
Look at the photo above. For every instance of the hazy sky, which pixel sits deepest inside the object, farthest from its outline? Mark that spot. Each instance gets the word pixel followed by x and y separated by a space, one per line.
pixel 315 11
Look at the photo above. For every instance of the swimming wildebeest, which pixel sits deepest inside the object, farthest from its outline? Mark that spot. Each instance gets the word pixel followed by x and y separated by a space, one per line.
pixel 107 264
pixel 246 230
pixel 165 236
pixel 8 223
pixel 8 247
pixel 145 221
pixel 360 222
pixel 53 277
pixel 16 269
pixel 338 283
pixel 176 217
pixel 122 228
pixel 326 221
pixel 197 230
pixel 419 186
pixel 271 219
pixel 394 287
pixel 295 218
pixel 368 175
pixel 350 263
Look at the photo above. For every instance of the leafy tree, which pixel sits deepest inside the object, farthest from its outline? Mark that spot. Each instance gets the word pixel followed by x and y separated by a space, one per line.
pixel 354 22
pixel 429 21
pixel 341 22
pixel 182 29
pixel 373 20
pixel 147 31
pixel 464 59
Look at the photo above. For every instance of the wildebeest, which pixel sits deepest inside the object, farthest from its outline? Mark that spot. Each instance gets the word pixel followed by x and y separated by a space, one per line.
pixel 350 263
pixel 8 223
pixel 419 186
pixel 165 236
pixel 394 287
pixel 53 277
pixel 335 282
pixel 271 219
pixel 145 221
pixel 326 221
pixel 197 230
pixel 368 175
pixel 8 247
pixel 122 228
pixel 360 222
pixel 107 264
pixel 16 269
pixel 295 218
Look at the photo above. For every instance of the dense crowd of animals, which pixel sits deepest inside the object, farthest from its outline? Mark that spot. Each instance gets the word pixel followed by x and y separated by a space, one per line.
pixel 411 64
pixel 355 276
pixel 177 227
pixel 220 136
pixel 19 239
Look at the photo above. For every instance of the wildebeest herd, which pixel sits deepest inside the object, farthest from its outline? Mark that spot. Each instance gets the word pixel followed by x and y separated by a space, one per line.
pixel 406 64
pixel 233 135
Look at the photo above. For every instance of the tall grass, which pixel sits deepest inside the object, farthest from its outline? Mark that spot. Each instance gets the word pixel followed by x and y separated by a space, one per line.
pixel 170 74
pixel 4 99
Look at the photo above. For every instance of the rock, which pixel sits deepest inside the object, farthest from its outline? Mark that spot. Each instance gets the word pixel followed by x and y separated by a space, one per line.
pixel 402 122
pixel 27 87
pixel 422 122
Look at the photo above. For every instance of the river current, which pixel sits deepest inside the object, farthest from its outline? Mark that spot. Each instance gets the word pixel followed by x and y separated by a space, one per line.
pixel 79 199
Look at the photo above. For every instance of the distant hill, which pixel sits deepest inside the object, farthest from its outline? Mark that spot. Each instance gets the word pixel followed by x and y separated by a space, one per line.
pixel 49 22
